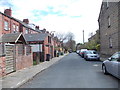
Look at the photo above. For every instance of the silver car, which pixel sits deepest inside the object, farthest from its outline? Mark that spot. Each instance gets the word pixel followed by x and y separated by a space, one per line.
pixel 91 55
pixel 112 65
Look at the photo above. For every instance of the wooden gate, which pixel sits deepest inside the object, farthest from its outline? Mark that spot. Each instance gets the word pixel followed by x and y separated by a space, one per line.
pixel 10 60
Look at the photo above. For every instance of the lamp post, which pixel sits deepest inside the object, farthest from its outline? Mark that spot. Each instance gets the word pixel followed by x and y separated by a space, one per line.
pixel 83 36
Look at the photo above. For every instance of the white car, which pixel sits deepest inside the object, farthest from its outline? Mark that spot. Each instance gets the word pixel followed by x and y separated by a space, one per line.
pixel 91 55
pixel 81 53
pixel 77 51
pixel 112 65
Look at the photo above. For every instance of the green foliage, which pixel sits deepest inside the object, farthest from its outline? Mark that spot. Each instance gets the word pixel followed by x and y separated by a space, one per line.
pixel 91 45
pixel 34 62
pixel 98 47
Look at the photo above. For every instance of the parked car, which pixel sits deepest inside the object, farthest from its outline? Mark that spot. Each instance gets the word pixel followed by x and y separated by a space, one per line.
pixel 91 55
pixel 81 53
pixel 111 65
pixel 70 51
pixel 78 51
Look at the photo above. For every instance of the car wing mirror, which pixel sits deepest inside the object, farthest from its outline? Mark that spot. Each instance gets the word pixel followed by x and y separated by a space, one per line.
pixel 110 58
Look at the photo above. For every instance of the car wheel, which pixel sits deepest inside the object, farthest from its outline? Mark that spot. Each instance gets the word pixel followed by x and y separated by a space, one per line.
pixel 86 59
pixel 104 69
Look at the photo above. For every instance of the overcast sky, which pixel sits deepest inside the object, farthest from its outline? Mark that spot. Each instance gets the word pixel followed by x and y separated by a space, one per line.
pixel 58 15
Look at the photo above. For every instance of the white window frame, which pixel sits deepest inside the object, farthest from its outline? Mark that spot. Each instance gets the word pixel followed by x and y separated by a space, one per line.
pixel 26 31
pixel 17 28
pixel 107 3
pixel 6 25
pixel 110 42
pixel 14 28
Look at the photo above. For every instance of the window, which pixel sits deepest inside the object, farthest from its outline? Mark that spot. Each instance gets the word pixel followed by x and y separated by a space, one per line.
pixel 14 29
pixel 107 2
pixel 27 31
pixel 110 42
pixel 115 57
pixel 17 28
pixel 6 25
pixel 49 39
pixel 109 24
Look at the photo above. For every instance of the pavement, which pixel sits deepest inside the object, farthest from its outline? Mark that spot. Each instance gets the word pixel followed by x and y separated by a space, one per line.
pixel 16 79
pixel 103 59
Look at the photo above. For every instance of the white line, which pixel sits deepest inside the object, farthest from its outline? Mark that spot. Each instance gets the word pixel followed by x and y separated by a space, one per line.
pixel 18 83
pixel 95 65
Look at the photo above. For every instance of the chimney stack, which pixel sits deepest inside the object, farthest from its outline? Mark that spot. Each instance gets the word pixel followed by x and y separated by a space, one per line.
pixel 8 12
pixel 44 30
pixel 37 27
pixel 26 21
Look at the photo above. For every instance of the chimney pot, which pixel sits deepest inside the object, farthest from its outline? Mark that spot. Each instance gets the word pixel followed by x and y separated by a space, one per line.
pixel 8 12
pixel 26 21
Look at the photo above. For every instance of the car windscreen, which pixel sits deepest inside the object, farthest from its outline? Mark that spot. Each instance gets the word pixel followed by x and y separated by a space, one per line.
pixel 94 52
pixel 89 52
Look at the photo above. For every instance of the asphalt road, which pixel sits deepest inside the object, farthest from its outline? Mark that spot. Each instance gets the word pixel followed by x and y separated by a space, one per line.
pixel 73 72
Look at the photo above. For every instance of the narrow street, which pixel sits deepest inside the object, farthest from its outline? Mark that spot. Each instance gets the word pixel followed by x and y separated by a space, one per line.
pixel 73 72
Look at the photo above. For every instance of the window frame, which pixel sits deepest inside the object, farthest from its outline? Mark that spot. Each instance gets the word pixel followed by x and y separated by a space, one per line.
pixel 26 31
pixel 6 25
pixel 107 4
pixel 14 28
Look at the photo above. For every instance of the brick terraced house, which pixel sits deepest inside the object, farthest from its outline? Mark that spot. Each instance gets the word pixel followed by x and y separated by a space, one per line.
pixel 21 41
pixel 41 43
pixel 15 53
pixel 109 26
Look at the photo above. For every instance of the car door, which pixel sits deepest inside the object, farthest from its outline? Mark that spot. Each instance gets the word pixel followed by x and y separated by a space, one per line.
pixel 114 65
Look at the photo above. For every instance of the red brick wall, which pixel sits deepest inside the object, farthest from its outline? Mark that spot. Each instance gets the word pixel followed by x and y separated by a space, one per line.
pixel 2 66
pixel 8 20
pixel 32 32
pixel 1 24
pixel 52 43
pixel 23 30
pixel 11 22
pixel 47 49
pixel 23 61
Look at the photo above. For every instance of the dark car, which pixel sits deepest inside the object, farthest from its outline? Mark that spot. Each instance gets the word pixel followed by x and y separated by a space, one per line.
pixel 70 51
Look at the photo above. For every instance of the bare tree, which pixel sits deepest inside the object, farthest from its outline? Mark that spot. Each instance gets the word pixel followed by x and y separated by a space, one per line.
pixel 61 36
pixel 70 36
pixel 70 44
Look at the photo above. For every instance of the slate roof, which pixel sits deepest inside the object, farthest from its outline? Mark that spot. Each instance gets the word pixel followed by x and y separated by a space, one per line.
pixel 36 37
pixel 12 38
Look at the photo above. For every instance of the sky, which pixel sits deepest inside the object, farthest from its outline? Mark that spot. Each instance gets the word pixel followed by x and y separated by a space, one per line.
pixel 61 16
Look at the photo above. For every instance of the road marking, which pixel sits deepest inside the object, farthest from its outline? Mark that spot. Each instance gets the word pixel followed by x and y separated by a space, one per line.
pixel 18 83
pixel 95 65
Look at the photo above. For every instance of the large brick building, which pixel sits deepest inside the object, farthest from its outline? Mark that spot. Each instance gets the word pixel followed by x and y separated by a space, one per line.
pixel 109 26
